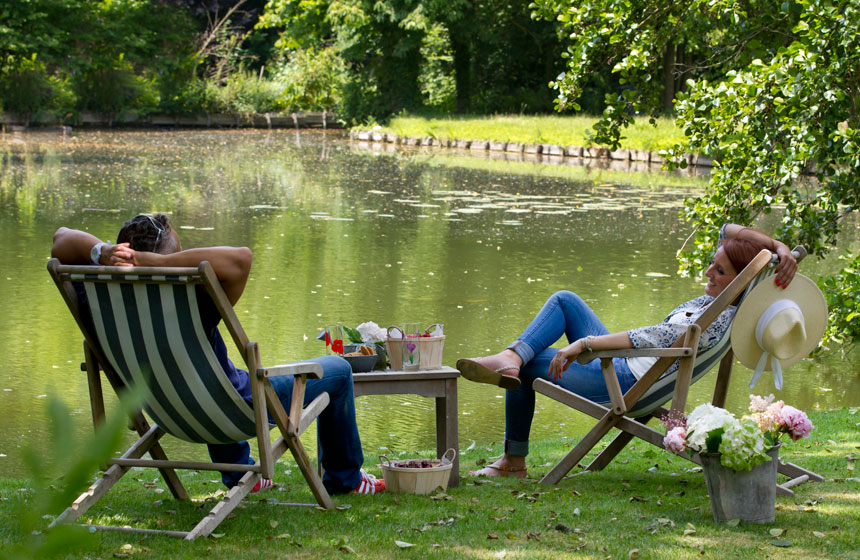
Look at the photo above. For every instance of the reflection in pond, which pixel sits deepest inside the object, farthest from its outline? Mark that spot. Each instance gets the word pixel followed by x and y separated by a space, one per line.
pixel 343 234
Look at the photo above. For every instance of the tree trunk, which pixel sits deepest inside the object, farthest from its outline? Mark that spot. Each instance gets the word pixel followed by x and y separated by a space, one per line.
pixel 462 70
pixel 668 77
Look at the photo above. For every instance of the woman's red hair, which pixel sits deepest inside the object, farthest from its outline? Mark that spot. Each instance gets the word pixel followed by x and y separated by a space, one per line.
pixel 740 252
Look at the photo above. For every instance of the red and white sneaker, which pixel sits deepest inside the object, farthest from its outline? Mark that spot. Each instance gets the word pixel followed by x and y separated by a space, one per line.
pixel 262 484
pixel 369 484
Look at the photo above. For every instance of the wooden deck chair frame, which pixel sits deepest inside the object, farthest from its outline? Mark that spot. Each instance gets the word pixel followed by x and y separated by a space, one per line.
pixel 264 398
pixel 621 412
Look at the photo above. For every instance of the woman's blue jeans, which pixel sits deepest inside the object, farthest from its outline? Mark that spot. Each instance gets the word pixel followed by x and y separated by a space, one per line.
pixel 564 313
pixel 340 447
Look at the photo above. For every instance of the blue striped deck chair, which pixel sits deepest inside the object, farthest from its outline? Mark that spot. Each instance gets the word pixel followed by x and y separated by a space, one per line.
pixel 631 411
pixel 142 328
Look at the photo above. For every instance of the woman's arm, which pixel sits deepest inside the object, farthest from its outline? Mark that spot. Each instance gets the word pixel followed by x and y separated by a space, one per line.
pixel 232 265
pixel 787 266
pixel 566 356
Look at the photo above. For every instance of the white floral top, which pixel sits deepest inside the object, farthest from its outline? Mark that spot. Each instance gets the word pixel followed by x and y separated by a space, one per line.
pixel 674 325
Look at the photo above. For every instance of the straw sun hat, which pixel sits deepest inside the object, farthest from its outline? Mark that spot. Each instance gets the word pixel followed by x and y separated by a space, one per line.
pixel 775 328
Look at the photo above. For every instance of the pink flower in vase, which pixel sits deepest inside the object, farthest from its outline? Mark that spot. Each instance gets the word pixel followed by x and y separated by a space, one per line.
pixel 795 422
pixel 675 439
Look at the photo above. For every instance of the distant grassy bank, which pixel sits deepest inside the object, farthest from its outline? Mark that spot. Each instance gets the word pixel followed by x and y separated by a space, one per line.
pixel 559 130
pixel 647 504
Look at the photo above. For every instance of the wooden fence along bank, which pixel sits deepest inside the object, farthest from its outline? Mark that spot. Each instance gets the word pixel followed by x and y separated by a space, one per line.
pixel 88 119
pixel 545 153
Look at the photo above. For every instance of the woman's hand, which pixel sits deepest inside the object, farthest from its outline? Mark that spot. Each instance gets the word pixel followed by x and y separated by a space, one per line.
pixel 787 266
pixel 564 357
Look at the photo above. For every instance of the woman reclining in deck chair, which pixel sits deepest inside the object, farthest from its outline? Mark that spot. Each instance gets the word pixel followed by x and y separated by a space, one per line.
pixel 530 356
pixel 150 241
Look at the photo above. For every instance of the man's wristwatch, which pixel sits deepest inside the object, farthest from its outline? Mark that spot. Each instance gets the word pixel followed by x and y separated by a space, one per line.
pixel 96 252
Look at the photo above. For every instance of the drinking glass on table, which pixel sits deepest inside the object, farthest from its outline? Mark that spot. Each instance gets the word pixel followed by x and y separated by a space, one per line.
pixel 334 339
pixel 411 353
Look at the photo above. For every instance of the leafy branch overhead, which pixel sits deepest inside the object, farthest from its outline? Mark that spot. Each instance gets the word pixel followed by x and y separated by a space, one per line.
pixel 769 91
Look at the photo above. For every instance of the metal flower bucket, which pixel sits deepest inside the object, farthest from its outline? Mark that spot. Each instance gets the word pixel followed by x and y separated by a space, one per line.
pixel 746 495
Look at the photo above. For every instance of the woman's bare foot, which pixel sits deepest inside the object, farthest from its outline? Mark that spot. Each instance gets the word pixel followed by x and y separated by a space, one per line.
pixel 507 466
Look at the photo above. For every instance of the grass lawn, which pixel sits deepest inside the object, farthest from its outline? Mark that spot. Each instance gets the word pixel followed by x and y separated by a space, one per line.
pixel 648 504
pixel 559 130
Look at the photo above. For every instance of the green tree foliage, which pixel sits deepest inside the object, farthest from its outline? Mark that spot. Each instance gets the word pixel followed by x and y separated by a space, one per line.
pixel 410 53
pixel 771 93
pixel 113 54
pixel 314 80
pixel 380 40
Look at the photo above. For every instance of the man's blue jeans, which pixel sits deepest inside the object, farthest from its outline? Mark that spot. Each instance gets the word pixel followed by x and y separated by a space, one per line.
pixel 340 447
pixel 564 313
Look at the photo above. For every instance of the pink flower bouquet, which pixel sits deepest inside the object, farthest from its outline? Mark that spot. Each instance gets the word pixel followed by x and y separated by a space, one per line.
pixel 743 442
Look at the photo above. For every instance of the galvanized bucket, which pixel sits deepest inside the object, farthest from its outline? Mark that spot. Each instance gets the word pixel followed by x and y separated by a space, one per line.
pixel 746 495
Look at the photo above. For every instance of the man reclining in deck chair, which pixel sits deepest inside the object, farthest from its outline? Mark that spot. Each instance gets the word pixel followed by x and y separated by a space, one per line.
pixel 150 241
pixel 530 356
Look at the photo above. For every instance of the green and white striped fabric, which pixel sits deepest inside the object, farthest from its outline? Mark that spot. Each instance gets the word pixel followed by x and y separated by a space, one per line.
pixel 661 391
pixel 150 331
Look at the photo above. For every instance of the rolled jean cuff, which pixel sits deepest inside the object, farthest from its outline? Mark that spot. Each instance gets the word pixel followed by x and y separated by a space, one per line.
pixel 523 350
pixel 518 448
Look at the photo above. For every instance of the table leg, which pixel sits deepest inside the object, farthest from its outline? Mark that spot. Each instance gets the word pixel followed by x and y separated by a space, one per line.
pixel 447 435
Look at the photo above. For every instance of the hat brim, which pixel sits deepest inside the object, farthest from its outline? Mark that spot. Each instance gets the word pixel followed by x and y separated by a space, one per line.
pixel 803 292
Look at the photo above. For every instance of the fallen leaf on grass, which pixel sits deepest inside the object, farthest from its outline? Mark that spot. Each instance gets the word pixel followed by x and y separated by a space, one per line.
pixel 819 534
pixel 403 544
pixel 493 537
pixel 781 543
pixel 690 530
pixel 633 553
pixel 775 532
pixel 532 536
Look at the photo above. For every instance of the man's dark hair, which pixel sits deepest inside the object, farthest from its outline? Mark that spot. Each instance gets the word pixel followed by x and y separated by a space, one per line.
pixel 145 232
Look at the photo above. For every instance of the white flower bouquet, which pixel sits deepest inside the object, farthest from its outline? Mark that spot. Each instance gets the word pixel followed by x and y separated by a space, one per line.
pixel 366 333
pixel 743 442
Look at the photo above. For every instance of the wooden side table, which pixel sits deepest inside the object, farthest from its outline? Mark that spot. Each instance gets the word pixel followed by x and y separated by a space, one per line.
pixel 440 383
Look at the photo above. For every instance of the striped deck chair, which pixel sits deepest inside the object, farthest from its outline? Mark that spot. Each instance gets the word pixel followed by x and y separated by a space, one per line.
pixel 631 411
pixel 142 328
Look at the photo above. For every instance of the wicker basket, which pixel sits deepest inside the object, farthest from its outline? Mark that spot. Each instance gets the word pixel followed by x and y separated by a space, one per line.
pixel 418 480
pixel 430 349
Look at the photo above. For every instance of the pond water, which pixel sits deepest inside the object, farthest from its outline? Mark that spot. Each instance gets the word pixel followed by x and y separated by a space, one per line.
pixel 344 234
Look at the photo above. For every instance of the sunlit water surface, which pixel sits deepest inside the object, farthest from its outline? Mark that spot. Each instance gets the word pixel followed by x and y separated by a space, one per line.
pixel 345 234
